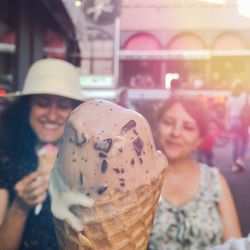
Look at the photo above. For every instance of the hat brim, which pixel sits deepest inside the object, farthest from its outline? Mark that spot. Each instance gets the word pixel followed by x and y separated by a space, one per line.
pixel 20 94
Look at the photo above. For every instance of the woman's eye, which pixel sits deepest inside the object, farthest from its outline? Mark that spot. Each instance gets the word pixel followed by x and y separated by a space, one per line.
pixel 168 122
pixel 43 103
pixel 189 127
pixel 65 105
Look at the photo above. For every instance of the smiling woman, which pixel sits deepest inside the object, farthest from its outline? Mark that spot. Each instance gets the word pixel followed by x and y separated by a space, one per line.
pixel 196 210
pixel 47 116
pixel 34 120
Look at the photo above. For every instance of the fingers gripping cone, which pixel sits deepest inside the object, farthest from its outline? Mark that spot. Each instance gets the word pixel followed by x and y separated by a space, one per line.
pixel 46 159
pixel 105 190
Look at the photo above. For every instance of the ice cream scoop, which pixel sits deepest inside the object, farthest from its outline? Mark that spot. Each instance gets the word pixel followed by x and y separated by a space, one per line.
pixel 107 165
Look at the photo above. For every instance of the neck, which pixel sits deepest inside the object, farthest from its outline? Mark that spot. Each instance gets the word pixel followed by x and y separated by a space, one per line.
pixel 40 144
pixel 181 165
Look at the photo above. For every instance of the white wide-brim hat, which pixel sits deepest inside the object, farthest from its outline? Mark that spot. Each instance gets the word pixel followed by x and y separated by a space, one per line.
pixel 52 77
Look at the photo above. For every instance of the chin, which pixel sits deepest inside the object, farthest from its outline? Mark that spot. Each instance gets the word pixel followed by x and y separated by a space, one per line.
pixel 49 139
pixel 173 157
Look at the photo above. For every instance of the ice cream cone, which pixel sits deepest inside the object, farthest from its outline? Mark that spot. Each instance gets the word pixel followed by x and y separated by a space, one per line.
pixel 46 159
pixel 107 179
pixel 47 156
pixel 116 221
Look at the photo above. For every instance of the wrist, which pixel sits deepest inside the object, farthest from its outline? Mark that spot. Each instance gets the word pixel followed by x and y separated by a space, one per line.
pixel 21 207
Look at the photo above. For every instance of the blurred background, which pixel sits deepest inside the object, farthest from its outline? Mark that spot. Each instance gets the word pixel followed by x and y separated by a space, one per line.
pixel 147 48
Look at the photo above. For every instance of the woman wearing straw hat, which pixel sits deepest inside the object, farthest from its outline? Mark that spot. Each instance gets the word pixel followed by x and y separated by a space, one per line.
pixel 36 118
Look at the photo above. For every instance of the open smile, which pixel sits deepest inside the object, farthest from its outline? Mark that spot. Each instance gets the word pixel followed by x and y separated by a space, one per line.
pixel 51 126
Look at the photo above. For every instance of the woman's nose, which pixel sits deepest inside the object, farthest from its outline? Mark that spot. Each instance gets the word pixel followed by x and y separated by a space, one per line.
pixel 176 130
pixel 52 113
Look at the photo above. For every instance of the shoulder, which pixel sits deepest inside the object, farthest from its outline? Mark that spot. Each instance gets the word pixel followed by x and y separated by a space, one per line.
pixel 211 181
pixel 224 184
pixel 225 191
pixel 210 171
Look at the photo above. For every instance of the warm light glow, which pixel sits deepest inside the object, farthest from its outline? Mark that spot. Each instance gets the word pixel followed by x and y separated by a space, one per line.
pixel 78 3
pixel 244 8
pixel 169 77
pixel 214 1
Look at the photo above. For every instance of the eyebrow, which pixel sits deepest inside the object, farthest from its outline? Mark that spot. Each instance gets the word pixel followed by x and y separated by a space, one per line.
pixel 185 121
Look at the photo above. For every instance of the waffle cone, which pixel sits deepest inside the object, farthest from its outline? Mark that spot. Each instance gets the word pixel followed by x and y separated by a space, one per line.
pixel 117 221
pixel 47 159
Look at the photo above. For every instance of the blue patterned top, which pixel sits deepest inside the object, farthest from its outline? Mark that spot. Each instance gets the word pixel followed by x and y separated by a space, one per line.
pixel 39 231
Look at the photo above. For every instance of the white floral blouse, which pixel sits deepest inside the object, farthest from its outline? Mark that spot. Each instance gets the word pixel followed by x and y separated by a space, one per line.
pixel 196 225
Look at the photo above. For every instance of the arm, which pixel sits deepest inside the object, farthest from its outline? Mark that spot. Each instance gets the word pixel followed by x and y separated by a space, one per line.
pixel 228 212
pixel 4 198
pixel 30 191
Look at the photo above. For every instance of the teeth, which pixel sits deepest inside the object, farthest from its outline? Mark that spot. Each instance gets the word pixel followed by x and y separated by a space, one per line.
pixel 50 126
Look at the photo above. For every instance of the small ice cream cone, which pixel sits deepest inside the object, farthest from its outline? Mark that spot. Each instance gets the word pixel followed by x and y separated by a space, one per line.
pixel 47 156
pixel 46 159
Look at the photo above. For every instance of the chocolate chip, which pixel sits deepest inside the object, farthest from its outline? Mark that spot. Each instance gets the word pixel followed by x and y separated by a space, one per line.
pixel 138 145
pixel 78 140
pixel 104 166
pixel 122 182
pixel 117 170
pixel 81 178
pixel 131 124
pixel 102 155
pixel 122 170
pixel 135 132
pixel 132 162
pixel 101 189
pixel 140 160
pixel 104 145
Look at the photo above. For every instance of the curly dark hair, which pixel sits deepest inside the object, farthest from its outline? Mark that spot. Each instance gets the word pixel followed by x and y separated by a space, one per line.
pixel 16 134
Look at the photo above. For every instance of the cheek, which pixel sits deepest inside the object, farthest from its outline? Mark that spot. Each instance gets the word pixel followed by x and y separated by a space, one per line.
pixel 163 131
pixel 64 114
pixel 33 117
pixel 192 140
pixel 162 134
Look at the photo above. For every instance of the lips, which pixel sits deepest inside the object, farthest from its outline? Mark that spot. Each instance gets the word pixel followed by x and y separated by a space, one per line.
pixel 171 143
pixel 51 126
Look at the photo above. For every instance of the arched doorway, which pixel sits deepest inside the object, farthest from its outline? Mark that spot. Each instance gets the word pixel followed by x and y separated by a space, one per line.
pixel 190 71
pixel 141 72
